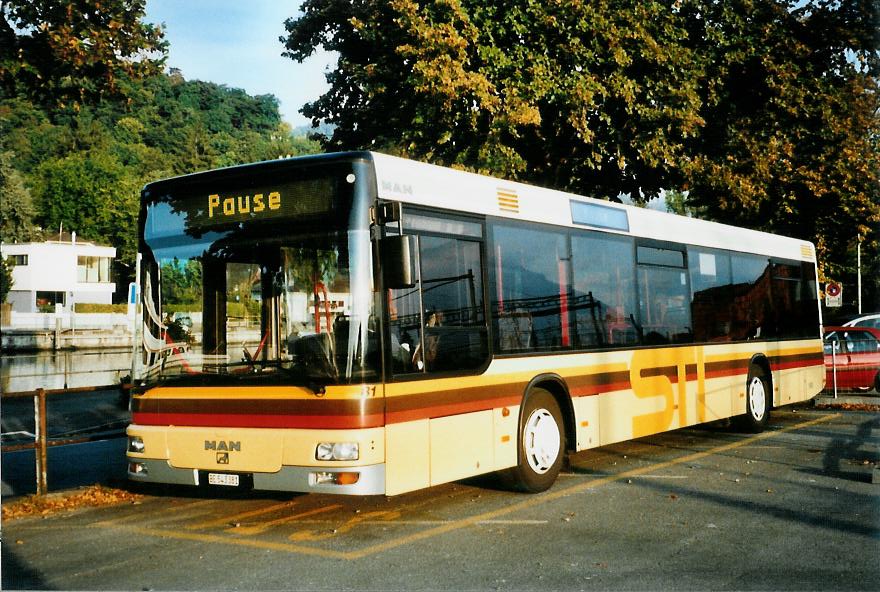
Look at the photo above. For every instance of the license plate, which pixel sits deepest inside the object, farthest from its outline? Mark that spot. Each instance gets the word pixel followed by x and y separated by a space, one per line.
pixel 223 479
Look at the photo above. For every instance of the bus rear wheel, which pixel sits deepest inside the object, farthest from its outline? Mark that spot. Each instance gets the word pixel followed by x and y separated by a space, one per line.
pixel 540 443
pixel 757 401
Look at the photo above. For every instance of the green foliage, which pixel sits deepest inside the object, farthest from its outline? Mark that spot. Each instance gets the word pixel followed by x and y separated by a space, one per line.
pixel 16 207
pixel 791 137
pixel 74 52
pixel 93 193
pixel 86 119
pixel 5 279
pixel 766 113
pixel 595 97
pixel 93 307
pixel 182 283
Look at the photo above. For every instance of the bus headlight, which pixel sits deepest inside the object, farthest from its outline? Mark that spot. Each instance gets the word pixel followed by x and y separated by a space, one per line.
pixel 135 444
pixel 337 451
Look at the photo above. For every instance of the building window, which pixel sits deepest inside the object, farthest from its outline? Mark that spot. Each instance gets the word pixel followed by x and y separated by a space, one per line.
pixel 17 260
pixel 46 301
pixel 92 269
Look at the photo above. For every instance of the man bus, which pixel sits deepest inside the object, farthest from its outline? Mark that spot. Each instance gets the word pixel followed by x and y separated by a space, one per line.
pixel 364 324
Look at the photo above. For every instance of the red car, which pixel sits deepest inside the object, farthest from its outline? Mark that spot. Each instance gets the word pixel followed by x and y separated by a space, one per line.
pixel 856 353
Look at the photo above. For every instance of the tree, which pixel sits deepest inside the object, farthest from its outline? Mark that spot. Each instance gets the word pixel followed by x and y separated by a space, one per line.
pixel 5 279
pixel 766 113
pixel 73 52
pixel 93 194
pixel 16 207
pixel 592 97
pixel 790 142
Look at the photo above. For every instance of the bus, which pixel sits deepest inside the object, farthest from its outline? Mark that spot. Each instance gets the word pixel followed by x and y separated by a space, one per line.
pixel 358 323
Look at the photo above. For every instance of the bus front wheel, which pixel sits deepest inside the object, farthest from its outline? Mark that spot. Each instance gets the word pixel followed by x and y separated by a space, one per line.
pixel 540 443
pixel 758 395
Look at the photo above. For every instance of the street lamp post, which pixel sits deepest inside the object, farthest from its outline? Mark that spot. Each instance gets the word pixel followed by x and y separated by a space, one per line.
pixel 859 272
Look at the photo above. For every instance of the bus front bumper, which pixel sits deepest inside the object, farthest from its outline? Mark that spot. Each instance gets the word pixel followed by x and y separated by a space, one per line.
pixel 360 480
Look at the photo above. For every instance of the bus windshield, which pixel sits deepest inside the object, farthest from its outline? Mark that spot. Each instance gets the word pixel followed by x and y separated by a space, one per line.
pixel 259 284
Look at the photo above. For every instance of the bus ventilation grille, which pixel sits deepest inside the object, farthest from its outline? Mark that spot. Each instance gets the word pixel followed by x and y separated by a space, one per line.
pixel 508 200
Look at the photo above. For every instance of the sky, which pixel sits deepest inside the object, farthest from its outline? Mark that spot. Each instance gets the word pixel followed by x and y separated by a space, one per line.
pixel 235 43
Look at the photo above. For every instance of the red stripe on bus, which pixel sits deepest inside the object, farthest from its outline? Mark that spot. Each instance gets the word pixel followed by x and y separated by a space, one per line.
pixel 340 422
pixel 375 412
pixel 445 410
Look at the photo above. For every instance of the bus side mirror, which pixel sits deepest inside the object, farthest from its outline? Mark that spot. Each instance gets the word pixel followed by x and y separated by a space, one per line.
pixel 397 270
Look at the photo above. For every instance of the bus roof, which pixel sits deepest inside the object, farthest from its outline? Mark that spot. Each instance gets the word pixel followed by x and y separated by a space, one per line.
pixel 419 183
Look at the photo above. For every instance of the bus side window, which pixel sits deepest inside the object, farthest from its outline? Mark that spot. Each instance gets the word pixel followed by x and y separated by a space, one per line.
pixel 711 294
pixel 452 295
pixel 664 300
pixel 604 290
pixel 440 324
pixel 751 297
pixel 531 293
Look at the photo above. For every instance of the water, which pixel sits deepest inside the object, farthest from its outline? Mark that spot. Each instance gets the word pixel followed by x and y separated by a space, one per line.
pixel 63 369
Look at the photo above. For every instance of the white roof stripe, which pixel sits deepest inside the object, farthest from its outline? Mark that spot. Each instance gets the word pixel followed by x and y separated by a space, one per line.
pixel 409 181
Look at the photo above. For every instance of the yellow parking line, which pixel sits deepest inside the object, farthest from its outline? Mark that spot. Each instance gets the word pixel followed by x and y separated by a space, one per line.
pixel 239 517
pixel 264 526
pixel 559 493
pixel 223 540
pixel 446 527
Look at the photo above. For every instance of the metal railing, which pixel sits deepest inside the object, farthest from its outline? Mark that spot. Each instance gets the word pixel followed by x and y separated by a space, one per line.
pixel 41 442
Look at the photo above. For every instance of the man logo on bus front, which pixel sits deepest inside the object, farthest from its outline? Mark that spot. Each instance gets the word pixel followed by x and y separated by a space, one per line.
pixel 223 448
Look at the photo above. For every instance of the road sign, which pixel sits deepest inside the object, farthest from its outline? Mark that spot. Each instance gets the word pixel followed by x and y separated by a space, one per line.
pixel 132 299
pixel 833 294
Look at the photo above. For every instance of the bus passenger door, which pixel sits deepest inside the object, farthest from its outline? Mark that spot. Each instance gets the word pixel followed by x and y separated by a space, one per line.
pixel 438 333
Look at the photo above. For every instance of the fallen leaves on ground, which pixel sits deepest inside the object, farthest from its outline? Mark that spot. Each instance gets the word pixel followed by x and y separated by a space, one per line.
pixel 851 406
pixel 45 505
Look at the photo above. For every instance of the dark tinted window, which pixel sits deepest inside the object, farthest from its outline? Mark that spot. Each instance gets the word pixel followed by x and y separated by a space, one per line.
pixel 440 325
pixel 664 298
pixel 711 301
pixel 530 305
pixel 788 300
pixel 751 317
pixel 604 292
pixel 810 303
pixel 655 256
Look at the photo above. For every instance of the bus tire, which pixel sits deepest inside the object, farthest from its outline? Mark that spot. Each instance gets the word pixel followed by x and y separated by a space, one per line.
pixel 758 395
pixel 541 443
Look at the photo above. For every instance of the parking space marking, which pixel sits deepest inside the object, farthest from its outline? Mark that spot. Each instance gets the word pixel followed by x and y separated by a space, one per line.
pixel 223 540
pixel 390 516
pixel 323 535
pixel 264 526
pixel 241 516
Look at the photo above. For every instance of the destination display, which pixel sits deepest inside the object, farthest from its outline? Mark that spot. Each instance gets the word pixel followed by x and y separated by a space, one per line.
pixel 219 208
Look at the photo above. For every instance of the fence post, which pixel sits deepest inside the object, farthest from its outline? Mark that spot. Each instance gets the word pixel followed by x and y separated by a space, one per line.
pixel 41 440
pixel 834 367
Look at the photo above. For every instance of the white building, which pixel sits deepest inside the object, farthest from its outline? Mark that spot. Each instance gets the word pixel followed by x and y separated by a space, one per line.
pixel 63 272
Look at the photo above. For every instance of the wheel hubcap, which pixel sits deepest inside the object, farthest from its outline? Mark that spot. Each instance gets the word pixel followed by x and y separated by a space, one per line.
pixel 757 399
pixel 541 440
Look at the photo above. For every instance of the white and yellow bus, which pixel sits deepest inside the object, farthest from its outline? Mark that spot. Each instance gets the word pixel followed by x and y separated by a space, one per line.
pixel 364 324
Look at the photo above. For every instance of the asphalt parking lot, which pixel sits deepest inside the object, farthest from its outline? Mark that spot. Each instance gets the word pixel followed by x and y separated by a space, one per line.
pixel 792 508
